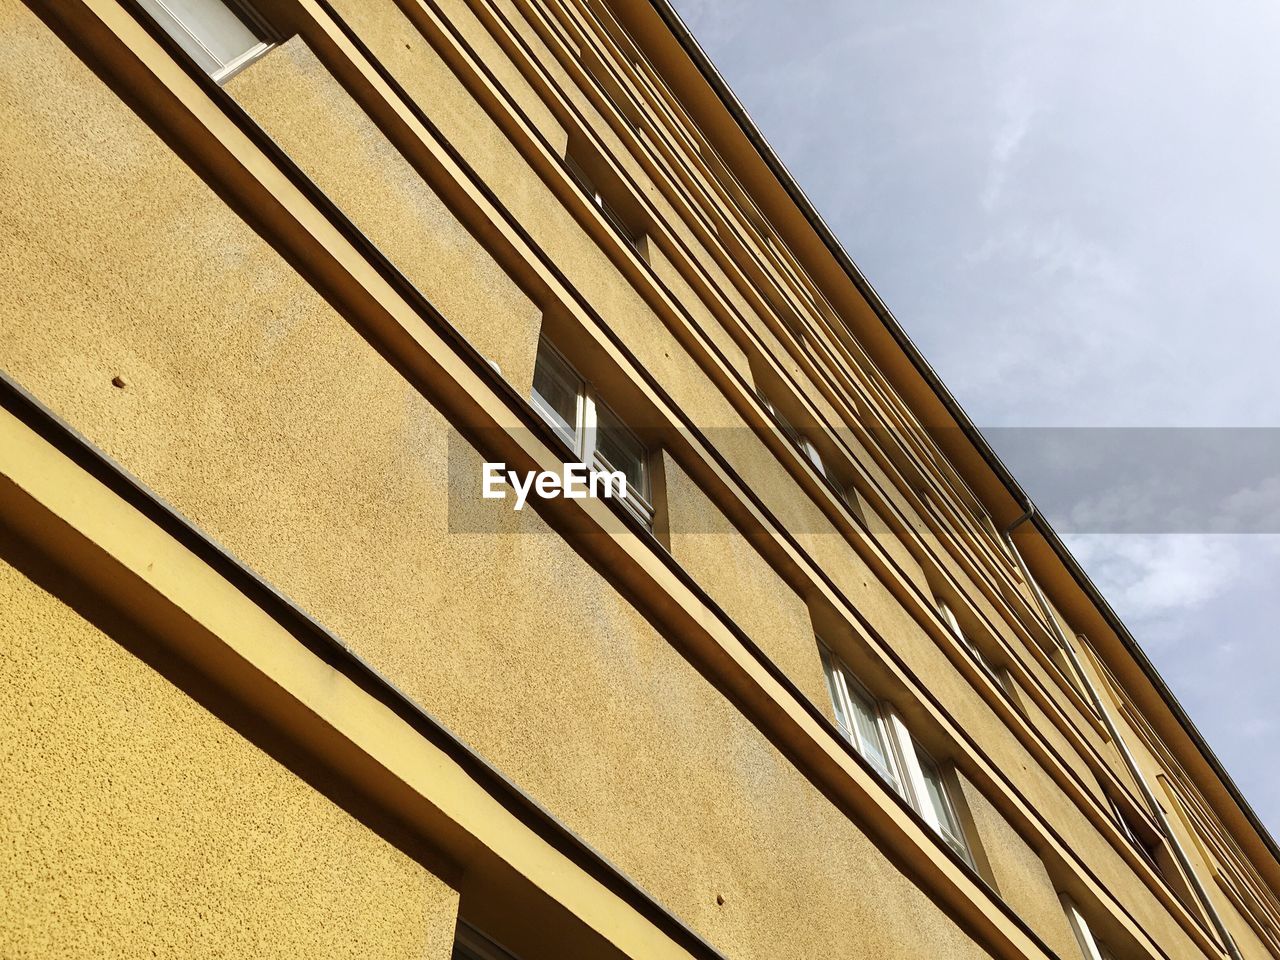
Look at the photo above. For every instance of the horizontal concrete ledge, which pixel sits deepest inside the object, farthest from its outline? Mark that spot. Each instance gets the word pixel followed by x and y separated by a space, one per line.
pixel 117 541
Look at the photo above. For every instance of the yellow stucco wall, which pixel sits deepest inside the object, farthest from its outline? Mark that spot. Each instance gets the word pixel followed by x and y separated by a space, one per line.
pixel 383 25
pixel 134 823
pixel 264 417
pixel 701 316
pixel 1019 873
pixel 738 579
pixel 258 412
pixel 308 114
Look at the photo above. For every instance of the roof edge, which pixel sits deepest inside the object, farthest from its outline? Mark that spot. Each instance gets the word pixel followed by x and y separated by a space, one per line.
pixel 667 13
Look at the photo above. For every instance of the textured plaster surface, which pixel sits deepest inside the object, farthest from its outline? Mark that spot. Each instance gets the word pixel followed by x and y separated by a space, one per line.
pixel 469 128
pixel 294 98
pixel 1020 874
pixel 133 823
pixel 702 317
pixel 264 418
pixel 736 577
pixel 275 427
pixel 465 123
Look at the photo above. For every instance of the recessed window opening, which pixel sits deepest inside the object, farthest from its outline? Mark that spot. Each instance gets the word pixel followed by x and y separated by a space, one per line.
pixel 470 944
pixel 598 436
pixel 1090 945
pixel 804 444
pixel 996 672
pixel 1141 837
pixel 811 453
pixel 949 617
pixel 878 733
pixel 612 89
pixel 939 799
pixel 790 319
pixel 860 719
pixel 222 36
pixel 1150 845
pixel 577 169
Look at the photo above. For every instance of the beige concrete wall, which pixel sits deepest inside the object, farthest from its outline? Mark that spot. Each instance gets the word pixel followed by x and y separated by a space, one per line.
pixel 134 823
pixel 310 116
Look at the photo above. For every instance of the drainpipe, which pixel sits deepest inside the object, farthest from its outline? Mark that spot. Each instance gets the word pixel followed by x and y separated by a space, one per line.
pixel 1095 699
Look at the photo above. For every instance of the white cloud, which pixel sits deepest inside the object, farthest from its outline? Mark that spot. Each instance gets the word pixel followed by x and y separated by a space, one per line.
pixel 1018 108
pixel 1155 575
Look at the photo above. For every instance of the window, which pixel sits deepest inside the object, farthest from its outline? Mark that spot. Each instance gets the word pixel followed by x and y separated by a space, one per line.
pixel 1139 835
pixel 810 452
pixel 595 433
pixel 948 823
pixel 789 318
pixel 471 944
pixel 813 456
pixel 803 443
pixel 949 617
pixel 588 185
pixel 877 732
pixel 785 426
pixel 998 674
pixel 1090 945
pixel 1060 655
pixel 860 719
pixel 1150 843
pixel 220 35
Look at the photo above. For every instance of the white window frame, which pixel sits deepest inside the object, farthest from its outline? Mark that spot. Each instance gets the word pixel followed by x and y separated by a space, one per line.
pixel 845 495
pixel 810 451
pixel 1090 945
pixel 949 617
pixel 805 445
pixel 196 35
pixel 998 674
pixel 945 821
pixel 844 689
pixel 584 437
pixel 903 753
pixel 783 423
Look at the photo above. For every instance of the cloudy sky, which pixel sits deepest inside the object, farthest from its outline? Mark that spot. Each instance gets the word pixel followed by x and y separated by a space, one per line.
pixel 1074 211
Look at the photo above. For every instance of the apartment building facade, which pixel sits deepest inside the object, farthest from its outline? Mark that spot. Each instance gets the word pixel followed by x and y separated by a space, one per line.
pixel 280 277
